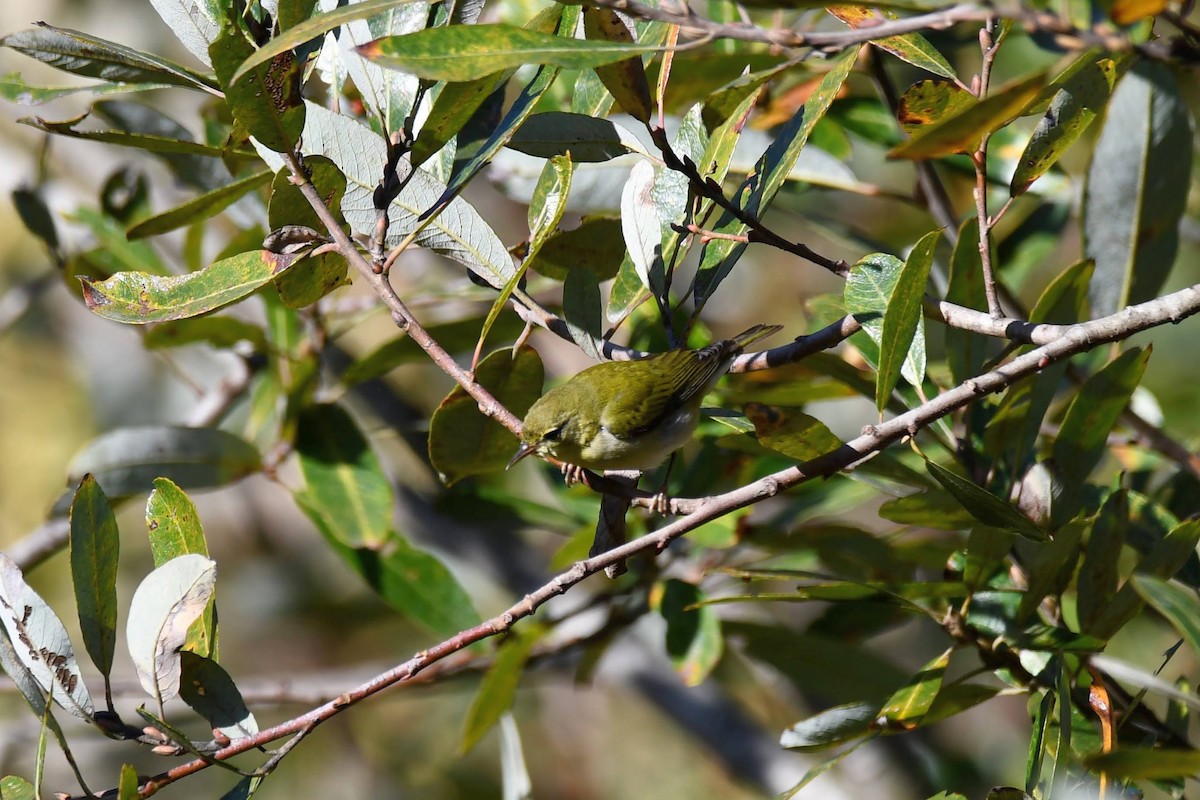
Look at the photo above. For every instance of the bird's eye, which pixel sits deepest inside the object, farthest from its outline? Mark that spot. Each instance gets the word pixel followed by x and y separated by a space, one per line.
pixel 553 435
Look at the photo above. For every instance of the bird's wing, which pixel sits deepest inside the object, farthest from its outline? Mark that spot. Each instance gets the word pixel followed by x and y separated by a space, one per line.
pixel 690 372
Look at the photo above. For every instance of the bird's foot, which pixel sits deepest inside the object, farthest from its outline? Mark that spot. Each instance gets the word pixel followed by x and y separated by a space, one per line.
pixel 572 474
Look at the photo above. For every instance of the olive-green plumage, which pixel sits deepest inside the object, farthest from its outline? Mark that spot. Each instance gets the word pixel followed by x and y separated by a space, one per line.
pixel 630 414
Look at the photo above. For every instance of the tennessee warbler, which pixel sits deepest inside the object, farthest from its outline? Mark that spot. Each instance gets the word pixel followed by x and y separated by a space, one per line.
pixel 629 414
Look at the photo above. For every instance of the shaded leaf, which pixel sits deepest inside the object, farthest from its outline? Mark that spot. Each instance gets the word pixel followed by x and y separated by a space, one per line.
pixel 467 52
pixel 462 441
pixel 198 208
pixel 92 57
pixel 157 144
pixel 790 432
pixel 694 641
pixel 40 642
pixel 415 584
pixel 983 505
pixel 960 131
pixel 585 138
pixel 1145 763
pixel 1136 188
pixel 316 276
pixel 127 460
pixel 266 99
pixel 937 509
pixel 454 337
pixel 594 245
pixel 453 108
pixel 16 90
pixel 164 605
pixel 1082 440
pixel 965 350
pixel 95 546
pixel 1099 573
pixel 830 727
pixel 218 331
pixel 207 688
pixel 498 689
pixel 1179 606
pixel 626 79
pixel 345 492
pixel 137 298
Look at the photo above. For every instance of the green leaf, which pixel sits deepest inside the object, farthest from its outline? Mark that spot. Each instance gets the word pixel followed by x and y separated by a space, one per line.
pixel 207 688
pixel 92 57
pixel 175 530
pixel 498 689
pixel 790 432
pixel 1145 763
pixel 318 276
pixel 929 102
pixel 626 79
pixel 909 704
pixel 161 145
pixel 983 505
pixel 911 47
pixel 460 233
pixel 1075 105
pixel 627 292
pixel 1083 438
pixel 41 642
pixel 966 351
pixel 586 139
pixel 127 787
pixel 545 212
pixel 415 584
pixel 594 245
pixel 454 337
pixel 467 52
pixel 1137 187
pixel 830 727
pixel 758 191
pixel 164 606
pixel 198 208
pixel 1164 561
pixel 127 460
pixel 1099 573
pixel 1177 604
pixel 346 492
pixel 193 22
pixel 936 509
pixel 245 788
pixel 222 332
pixel 302 32
pixel 462 441
pixel 15 788
pixel 869 288
pixel 453 107
pixel 902 320
pixel 960 131
pixel 583 310
pixel 564 17
pixel 14 89
pixel 266 100
pixel 1051 566
pixel 694 641
pixel 137 298
pixel 1017 423
pixel 95 546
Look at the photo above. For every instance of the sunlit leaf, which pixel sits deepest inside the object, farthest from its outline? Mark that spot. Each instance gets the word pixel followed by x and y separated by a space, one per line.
pixel 198 208
pixel 207 688
pixel 830 727
pixel 902 321
pixel 175 530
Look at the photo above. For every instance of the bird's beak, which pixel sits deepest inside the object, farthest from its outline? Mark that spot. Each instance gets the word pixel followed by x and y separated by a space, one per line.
pixel 525 449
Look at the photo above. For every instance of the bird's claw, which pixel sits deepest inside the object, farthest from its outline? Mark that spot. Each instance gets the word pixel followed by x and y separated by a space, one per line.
pixel 572 474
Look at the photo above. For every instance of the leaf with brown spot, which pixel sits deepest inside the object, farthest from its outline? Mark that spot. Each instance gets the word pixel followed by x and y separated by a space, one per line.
pixel 929 101
pixel 138 298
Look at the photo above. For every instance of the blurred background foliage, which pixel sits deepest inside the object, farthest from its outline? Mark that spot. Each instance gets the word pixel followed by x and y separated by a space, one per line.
pixel 612 717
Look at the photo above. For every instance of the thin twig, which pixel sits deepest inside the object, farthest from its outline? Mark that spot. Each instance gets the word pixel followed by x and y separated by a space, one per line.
pixel 989 46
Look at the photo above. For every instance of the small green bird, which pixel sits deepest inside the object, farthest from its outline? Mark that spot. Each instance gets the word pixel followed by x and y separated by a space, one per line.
pixel 629 414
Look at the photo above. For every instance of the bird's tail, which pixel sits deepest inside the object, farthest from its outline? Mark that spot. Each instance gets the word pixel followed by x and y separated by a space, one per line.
pixel 752 335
